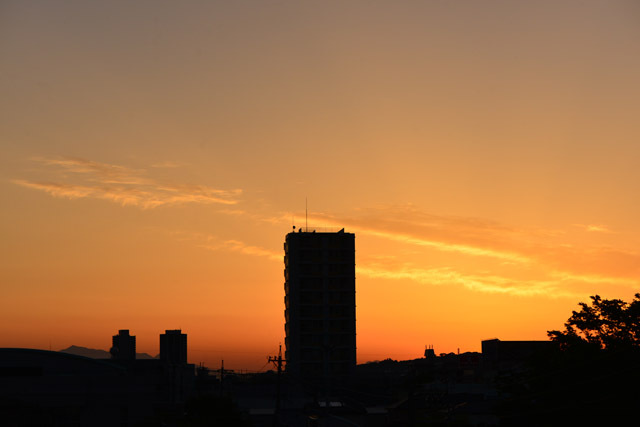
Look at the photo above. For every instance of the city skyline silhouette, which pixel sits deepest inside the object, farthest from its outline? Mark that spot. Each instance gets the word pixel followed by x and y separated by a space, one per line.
pixel 154 156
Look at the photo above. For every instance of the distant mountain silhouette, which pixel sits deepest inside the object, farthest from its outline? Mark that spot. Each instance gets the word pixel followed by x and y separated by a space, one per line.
pixel 98 354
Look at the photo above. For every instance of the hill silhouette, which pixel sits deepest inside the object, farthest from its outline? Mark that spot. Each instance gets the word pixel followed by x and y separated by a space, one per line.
pixel 93 353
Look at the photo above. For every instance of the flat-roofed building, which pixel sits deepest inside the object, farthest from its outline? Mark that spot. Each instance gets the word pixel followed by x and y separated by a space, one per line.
pixel 320 304
pixel 123 346
pixel 173 347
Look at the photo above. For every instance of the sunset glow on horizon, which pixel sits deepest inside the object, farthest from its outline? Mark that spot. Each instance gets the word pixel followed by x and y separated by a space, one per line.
pixel 155 155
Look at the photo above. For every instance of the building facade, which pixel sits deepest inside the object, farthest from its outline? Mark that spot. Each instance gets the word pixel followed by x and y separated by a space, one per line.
pixel 320 304
pixel 173 347
pixel 123 346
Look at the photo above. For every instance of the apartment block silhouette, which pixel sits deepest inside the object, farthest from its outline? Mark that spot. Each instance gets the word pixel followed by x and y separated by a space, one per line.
pixel 123 346
pixel 320 304
pixel 173 347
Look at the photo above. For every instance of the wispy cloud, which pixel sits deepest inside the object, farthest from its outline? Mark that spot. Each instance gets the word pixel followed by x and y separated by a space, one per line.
pixel 593 228
pixel 167 165
pixel 215 243
pixel 80 178
pixel 445 246
pixel 553 285
pixel 564 267
pixel 486 283
pixel 443 234
pixel 486 239
pixel 239 246
pixel 475 254
pixel 564 276
pixel 58 190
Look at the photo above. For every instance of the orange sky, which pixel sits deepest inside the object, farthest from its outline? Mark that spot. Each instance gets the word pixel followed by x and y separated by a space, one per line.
pixel 155 154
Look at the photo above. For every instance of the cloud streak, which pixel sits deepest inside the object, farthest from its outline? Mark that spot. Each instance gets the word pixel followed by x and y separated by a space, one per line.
pixel 241 247
pixel 553 285
pixel 214 243
pixel 476 255
pixel 481 283
pixel 515 255
pixel 526 248
pixel 445 246
pixel 594 228
pixel 80 178
pixel 435 233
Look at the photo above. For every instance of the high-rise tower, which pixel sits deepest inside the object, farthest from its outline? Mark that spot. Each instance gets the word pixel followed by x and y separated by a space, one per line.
pixel 320 304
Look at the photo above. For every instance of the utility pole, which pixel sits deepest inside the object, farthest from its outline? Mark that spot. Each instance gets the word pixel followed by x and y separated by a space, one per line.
pixel 222 378
pixel 277 362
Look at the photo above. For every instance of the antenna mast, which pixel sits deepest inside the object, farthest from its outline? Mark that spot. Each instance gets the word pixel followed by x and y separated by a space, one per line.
pixel 306 215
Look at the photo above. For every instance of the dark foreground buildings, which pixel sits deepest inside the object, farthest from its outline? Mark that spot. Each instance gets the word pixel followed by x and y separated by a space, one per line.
pixel 320 305
pixel 50 388
pixel 500 354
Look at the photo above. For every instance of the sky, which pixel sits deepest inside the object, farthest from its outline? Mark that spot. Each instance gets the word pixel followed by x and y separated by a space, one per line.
pixel 154 154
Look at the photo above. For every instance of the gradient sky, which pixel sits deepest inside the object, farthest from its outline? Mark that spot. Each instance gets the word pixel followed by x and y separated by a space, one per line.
pixel 155 153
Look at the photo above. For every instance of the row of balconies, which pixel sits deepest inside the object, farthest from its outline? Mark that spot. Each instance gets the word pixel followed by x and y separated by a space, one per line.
pixel 321 298
pixel 315 269
pixel 333 312
pixel 318 326
pixel 339 300
pixel 319 283
pixel 319 274
pixel 316 241
pixel 313 312
pixel 325 255
pixel 335 355
pixel 344 339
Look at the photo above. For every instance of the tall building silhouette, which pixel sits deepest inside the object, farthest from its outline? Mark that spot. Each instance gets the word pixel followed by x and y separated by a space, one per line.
pixel 173 347
pixel 123 346
pixel 320 304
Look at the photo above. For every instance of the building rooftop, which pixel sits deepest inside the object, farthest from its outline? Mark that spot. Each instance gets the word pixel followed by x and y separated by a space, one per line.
pixel 317 230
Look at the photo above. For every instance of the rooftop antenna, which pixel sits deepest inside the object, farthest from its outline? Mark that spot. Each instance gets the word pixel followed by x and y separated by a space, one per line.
pixel 306 215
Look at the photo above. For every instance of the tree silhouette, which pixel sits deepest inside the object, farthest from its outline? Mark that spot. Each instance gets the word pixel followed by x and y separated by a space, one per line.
pixel 605 324
pixel 589 380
